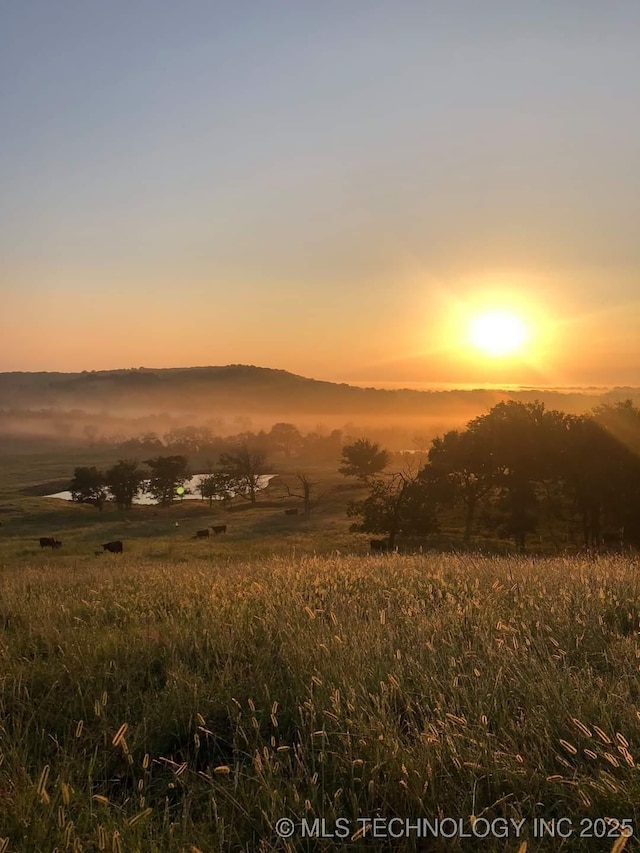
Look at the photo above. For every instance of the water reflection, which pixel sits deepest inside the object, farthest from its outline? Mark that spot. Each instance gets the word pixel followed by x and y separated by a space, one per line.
pixel 191 490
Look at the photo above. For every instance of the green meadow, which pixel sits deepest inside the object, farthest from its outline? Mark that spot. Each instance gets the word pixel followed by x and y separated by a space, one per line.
pixel 187 695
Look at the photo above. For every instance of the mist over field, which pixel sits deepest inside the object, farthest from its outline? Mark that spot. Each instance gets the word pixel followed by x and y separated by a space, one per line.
pixel 128 403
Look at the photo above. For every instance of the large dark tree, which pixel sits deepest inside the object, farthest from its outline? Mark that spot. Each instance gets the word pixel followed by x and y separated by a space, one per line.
pixel 529 467
pixel 525 444
pixel 399 504
pixel 510 461
pixel 601 473
pixel 585 475
pixel 89 486
pixel 218 486
pixel 125 481
pixel 461 469
pixel 363 459
pixel 168 473
pixel 622 423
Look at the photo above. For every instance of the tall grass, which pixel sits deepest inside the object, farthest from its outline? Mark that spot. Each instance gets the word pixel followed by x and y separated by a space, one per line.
pixel 148 706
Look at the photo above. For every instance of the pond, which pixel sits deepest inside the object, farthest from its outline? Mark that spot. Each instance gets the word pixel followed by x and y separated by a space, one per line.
pixel 191 490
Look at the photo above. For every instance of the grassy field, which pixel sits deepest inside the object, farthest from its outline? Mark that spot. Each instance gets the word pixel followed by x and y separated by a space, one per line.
pixel 186 695
pixel 181 704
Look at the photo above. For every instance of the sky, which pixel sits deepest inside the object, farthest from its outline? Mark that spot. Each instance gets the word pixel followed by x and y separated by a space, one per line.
pixel 332 188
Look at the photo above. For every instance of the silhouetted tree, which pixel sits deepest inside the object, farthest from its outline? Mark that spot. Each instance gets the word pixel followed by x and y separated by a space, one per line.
pixel 461 469
pixel 218 486
pixel 601 473
pixel 168 473
pixel 89 486
pixel 304 491
pixel 510 460
pixel 363 459
pixel 397 504
pixel 524 443
pixel 285 438
pixel 244 467
pixel 622 422
pixel 125 481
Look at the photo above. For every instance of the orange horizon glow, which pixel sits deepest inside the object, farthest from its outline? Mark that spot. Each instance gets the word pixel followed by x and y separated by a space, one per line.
pixel 413 328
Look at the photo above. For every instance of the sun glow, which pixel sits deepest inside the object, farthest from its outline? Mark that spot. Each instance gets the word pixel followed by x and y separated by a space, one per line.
pixel 498 333
pixel 499 328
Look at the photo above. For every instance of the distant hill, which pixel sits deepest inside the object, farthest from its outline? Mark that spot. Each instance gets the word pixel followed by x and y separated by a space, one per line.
pixel 246 389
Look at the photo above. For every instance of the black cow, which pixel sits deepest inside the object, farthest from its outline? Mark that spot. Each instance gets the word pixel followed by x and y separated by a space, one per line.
pixel 291 511
pixel 50 542
pixel 201 534
pixel 220 528
pixel 113 547
pixel 378 545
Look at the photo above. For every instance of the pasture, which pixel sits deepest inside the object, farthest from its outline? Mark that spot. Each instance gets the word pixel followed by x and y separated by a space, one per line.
pixel 187 694
pixel 26 514
pixel 180 704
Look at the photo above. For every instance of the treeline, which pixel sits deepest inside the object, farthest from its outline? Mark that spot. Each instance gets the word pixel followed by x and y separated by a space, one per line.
pixel 519 470
pixel 165 478
pixel 283 439
pixel 247 388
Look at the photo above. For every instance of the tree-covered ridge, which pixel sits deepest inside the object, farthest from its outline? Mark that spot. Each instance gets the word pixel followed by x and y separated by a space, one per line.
pixel 265 389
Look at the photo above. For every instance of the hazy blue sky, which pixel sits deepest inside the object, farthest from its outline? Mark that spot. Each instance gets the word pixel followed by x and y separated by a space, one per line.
pixel 327 187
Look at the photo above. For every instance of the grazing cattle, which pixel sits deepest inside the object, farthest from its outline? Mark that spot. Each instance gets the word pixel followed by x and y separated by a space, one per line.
pixel 220 528
pixel 291 511
pixel 50 542
pixel 378 545
pixel 113 547
pixel 201 534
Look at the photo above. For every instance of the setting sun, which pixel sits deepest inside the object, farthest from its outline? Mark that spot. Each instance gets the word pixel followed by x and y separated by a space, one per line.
pixel 498 333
